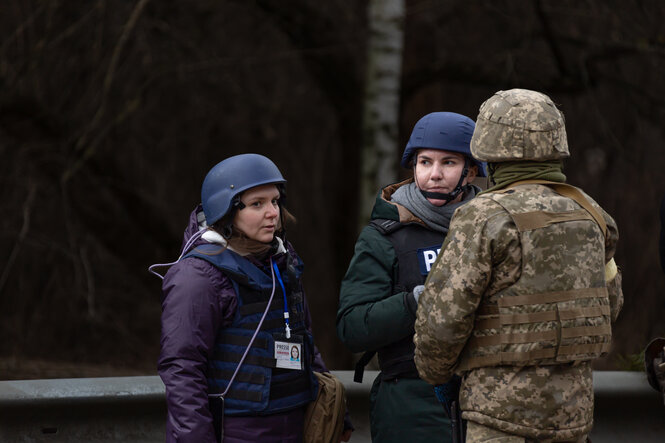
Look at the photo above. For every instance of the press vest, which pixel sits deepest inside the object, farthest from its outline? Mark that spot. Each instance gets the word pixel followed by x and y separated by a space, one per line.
pixel 259 387
pixel 416 248
pixel 558 310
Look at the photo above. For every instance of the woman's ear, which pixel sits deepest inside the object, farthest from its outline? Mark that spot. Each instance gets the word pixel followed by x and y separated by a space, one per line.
pixel 473 173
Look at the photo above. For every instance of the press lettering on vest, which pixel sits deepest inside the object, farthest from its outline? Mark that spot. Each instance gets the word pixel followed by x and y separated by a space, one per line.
pixel 427 257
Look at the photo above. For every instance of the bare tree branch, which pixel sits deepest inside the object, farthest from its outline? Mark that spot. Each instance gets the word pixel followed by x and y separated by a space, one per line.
pixel 106 87
pixel 25 227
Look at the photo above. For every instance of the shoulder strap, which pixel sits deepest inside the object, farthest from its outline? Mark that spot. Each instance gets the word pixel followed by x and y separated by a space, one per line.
pixel 385 226
pixel 360 366
pixel 571 192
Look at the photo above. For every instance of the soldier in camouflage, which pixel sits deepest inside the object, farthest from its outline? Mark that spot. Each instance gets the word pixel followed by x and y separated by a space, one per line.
pixel 522 296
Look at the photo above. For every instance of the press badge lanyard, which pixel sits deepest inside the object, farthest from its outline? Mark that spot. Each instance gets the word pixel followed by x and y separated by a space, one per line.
pixel 286 306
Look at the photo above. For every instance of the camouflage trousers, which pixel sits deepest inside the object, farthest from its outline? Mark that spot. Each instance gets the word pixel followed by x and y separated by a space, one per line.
pixel 477 433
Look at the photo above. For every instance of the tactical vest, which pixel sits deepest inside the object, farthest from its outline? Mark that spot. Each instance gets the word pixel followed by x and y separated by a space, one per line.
pixel 416 248
pixel 259 387
pixel 558 310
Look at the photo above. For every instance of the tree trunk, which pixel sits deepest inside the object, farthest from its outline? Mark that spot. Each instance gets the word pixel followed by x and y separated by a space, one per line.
pixel 381 110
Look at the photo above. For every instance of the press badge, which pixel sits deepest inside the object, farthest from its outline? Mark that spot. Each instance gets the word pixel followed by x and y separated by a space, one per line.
pixel 288 352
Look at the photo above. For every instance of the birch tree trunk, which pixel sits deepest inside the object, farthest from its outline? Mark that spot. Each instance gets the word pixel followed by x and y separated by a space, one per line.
pixel 381 111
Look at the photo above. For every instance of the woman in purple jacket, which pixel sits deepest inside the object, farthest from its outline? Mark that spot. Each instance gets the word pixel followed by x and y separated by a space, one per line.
pixel 233 309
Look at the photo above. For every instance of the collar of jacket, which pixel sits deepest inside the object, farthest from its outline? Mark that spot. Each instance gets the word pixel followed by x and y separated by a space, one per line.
pixel 386 209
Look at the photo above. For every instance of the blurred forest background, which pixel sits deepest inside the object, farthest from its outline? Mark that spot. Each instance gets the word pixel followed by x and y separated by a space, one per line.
pixel 111 113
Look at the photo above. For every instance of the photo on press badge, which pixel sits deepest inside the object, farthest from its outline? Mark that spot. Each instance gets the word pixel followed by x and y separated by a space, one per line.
pixel 295 353
pixel 287 354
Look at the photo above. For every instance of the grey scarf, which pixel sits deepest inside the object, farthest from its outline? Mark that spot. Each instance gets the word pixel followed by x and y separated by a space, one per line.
pixel 435 217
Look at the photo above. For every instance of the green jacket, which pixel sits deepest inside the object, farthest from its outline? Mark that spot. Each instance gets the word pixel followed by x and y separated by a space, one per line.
pixel 370 315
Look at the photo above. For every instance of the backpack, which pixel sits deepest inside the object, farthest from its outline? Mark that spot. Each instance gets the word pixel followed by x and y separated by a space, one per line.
pixel 324 417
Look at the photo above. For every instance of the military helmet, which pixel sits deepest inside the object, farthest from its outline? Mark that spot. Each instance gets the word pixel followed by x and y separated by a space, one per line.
pixel 230 177
pixel 519 124
pixel 445 131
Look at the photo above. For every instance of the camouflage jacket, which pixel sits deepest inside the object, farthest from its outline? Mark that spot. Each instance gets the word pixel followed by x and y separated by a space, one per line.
pixel 483 256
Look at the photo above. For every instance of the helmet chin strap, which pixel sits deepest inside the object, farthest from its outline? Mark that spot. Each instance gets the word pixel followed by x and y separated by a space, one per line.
pixel 447 197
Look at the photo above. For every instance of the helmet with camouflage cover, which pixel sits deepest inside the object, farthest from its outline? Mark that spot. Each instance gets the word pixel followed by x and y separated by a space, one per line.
pixel 519 124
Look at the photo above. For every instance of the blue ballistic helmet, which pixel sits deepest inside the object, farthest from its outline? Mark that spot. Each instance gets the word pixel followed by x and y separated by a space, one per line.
pixel 446 131
pixel 228 178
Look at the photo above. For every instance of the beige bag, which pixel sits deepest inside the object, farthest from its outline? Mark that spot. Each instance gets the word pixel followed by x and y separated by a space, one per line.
pixel 324 417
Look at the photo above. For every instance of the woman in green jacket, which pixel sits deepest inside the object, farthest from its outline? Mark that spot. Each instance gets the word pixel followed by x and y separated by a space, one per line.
pixel 393 254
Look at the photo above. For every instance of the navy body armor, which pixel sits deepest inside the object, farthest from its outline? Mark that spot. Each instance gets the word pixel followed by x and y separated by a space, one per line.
pixel 259 387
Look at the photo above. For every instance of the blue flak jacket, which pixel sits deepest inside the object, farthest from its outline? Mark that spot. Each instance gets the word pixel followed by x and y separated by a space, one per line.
pixel 259 387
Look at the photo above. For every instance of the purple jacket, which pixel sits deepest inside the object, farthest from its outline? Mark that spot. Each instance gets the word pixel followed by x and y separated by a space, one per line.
pixel 197 300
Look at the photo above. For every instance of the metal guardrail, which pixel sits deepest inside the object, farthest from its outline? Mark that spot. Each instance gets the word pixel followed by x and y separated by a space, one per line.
pixel 95 410
pixel 132 409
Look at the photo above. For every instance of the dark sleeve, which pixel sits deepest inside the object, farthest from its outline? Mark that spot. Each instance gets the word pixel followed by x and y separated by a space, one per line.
pixel 197 300
pixel 370 313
